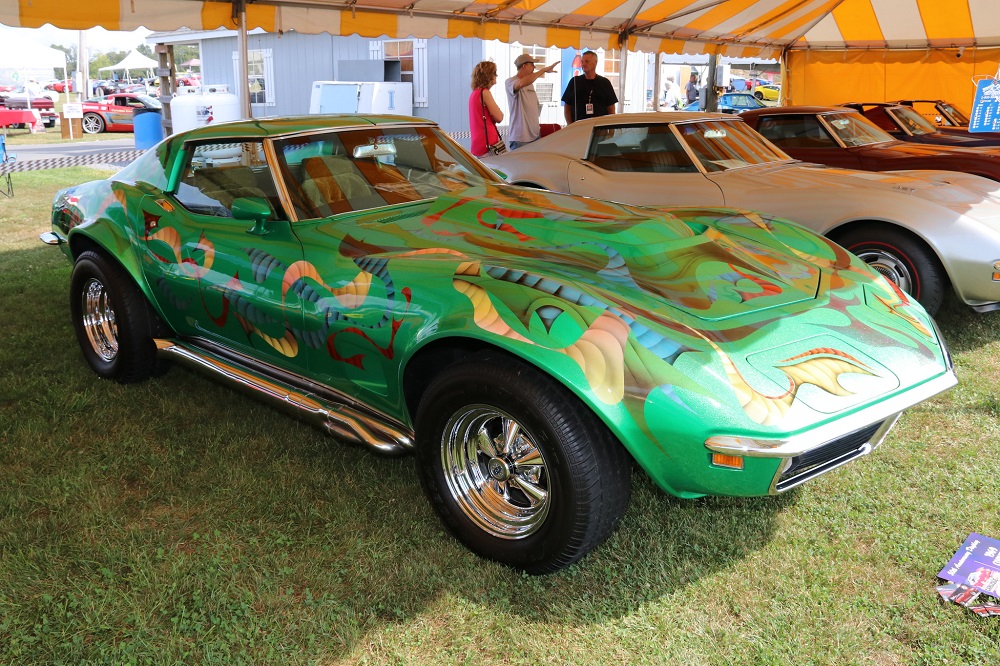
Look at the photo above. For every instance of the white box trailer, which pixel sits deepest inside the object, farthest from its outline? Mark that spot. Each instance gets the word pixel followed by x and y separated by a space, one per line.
pixel 361 97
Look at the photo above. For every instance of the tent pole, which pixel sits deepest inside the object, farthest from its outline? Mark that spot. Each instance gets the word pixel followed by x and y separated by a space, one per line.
pixel 657 82
pixel 240 13
pixel 711 97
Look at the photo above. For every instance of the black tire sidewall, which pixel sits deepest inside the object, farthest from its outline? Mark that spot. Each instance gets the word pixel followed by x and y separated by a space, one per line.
pixel 136 357
pixel 527 395
pixel 927 276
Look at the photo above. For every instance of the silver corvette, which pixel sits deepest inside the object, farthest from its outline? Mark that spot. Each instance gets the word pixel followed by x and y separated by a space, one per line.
pixel 924 230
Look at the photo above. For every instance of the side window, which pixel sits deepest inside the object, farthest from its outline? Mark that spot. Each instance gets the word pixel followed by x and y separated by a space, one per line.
pixel 218 173
pixel 639 149
pixel 789 131
pixel 878 116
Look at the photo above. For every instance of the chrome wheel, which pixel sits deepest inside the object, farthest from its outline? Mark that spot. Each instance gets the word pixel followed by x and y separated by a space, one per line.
pixel 495 472
pixel 98 317
pixel 93 124
pixel 891 266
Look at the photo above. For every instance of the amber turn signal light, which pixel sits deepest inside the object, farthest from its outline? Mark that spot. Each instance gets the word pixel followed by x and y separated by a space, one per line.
pixel 723 460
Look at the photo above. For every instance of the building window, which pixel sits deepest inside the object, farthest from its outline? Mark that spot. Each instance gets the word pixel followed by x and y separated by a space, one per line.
pixel 260 76
pixel 412 57
pixel 612 60
pixel 401 50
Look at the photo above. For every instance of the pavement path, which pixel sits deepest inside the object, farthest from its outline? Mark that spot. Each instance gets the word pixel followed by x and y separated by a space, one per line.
pixel 44 151
pixel 56 155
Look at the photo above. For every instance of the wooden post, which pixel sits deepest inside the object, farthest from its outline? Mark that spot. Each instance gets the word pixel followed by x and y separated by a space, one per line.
pixel 166 73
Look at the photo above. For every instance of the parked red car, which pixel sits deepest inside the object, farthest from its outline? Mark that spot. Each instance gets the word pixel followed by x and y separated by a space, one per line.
pixel 841 137
pixel 114 113
pixel 60 86
pixel 904 123
pixel 25 100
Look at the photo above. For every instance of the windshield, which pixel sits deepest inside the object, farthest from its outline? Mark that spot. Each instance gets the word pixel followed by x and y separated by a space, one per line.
pixel 957 115
pixel 340 171
pixel 722 145
pixel 149 102
pixel 911 121
pixel 854 130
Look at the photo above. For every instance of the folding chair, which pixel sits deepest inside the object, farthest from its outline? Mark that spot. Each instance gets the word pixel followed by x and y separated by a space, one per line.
pixel 6 159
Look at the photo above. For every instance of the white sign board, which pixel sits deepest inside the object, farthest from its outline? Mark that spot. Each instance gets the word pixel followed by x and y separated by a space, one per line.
pixel 73 110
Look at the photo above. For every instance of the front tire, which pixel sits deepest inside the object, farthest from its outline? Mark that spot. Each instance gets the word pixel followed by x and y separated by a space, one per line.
pixel 903 260
pixel 759 96
pixel 93 123
pixel 114 323
pixel 518 469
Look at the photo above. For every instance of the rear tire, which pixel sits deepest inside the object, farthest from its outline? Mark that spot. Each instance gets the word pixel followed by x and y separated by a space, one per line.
pixel 517 468
pixel 902 259
pixel 114 323
pixel 93 123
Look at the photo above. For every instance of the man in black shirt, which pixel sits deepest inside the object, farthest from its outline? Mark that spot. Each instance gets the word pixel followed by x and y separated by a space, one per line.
pixel 588 95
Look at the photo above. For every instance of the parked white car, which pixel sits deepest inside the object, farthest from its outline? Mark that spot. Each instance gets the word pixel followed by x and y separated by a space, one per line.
pixel 921 229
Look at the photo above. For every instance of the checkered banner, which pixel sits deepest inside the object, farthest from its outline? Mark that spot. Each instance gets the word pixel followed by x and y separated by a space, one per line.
pixel 120 157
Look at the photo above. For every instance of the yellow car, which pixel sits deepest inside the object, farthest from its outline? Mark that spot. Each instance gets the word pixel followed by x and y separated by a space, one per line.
pixel 769 91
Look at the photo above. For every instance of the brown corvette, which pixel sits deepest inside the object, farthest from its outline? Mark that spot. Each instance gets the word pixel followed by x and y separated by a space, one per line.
pixel 840 137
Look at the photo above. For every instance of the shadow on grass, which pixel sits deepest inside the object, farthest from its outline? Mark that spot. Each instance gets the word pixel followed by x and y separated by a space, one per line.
pixel 967 330
pixel 178 519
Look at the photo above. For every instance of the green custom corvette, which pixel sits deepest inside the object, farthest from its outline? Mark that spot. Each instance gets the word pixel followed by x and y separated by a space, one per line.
pixel 371 276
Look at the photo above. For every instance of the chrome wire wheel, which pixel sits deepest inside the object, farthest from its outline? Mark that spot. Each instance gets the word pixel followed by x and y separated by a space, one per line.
pixel 890 266
pixel 495 472
pixel 98 318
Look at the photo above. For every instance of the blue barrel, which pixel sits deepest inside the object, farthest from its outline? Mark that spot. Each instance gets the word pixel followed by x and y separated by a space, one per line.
pixel 148 127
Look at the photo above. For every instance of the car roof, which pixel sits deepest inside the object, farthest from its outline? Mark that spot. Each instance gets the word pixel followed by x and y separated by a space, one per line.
pixel 280 126
pixel 653 117
pixel 789 110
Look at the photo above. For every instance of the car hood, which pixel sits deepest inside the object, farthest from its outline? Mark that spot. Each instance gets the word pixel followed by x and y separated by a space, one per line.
pixel 908 150
pixel 755 300
pixel 692 267
pixel 947 188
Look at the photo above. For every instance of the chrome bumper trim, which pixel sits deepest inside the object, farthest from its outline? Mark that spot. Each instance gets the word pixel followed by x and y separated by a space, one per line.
pixel 779 486
pixel 50 238
pixel 798 444
pixel 334 412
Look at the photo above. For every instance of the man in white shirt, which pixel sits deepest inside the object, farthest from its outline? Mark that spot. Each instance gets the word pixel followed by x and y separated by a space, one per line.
pixel 523 101
pixel 672 95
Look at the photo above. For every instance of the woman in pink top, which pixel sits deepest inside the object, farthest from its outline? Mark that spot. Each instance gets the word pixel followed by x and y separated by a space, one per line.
pixel 484 114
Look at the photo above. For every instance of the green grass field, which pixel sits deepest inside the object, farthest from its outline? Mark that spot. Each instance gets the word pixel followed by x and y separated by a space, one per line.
pixel 179 522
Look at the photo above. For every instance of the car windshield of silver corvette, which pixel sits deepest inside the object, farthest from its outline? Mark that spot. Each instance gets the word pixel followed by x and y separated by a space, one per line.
pixel 354 170
pixel 728 145
pixel 854 130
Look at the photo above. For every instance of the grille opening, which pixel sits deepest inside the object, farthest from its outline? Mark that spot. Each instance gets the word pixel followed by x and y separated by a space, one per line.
pixel 824 458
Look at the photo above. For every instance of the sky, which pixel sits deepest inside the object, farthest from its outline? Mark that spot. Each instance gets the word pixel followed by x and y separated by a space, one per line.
pixel 98 39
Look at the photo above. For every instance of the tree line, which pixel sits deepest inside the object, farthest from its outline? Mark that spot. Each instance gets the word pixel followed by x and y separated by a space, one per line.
pixel 182 53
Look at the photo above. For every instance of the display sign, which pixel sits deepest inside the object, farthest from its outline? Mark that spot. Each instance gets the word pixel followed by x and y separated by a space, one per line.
pixel 73 110
pixel 986 107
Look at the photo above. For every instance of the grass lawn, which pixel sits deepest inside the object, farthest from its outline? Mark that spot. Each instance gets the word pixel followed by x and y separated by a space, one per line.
pixel 179 522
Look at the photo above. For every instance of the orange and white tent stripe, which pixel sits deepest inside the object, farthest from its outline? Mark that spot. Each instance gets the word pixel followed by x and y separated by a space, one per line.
pixel 744 28
pixel 907 24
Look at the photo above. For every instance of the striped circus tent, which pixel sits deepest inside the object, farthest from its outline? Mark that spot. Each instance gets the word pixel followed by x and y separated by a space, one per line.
pixel 740 28
pixel 833 50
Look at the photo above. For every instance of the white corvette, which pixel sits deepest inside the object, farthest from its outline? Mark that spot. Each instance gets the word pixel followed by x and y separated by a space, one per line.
pixel 924 230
